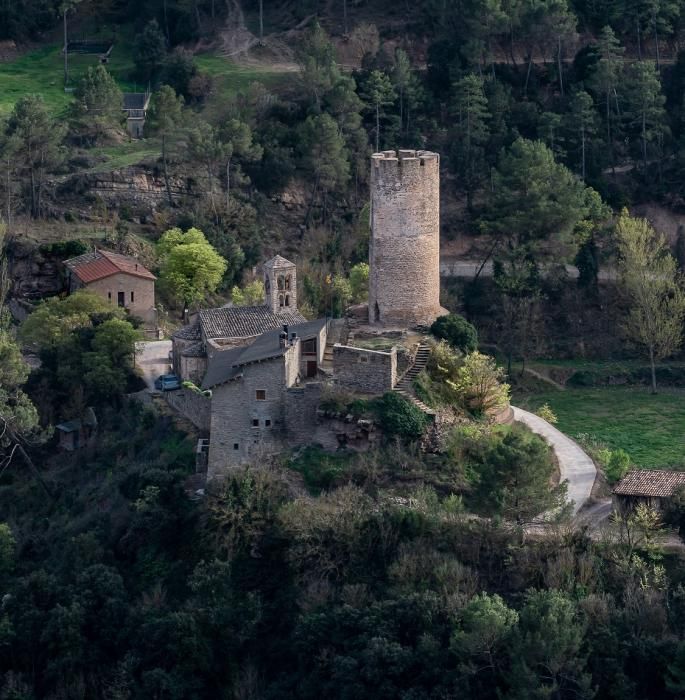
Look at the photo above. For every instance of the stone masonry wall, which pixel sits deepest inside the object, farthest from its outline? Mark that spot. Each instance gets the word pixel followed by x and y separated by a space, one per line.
pixel 143 304
pixel 191 405
pixel 234 440
pixel 301 406
pixel 366 371
pixel 404 251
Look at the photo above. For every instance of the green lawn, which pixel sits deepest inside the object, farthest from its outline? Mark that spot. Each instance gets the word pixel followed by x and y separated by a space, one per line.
pixel 650 428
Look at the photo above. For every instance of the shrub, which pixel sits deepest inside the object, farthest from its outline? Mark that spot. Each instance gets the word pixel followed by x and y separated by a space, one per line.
pixel 457 331
pixel 399 417
pixel 546 413
pixel 617 465
pixel 479 383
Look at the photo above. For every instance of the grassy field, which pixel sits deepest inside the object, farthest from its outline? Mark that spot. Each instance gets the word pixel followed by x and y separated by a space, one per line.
pixel 651 428
pixel 41 72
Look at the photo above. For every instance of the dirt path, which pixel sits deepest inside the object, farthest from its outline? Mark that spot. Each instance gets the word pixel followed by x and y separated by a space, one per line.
pixel 574 465
pixel 453 267
pixel 239 44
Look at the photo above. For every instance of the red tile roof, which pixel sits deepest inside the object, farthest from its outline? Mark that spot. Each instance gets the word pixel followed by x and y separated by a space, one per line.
pixel 650 482
pixel 100 264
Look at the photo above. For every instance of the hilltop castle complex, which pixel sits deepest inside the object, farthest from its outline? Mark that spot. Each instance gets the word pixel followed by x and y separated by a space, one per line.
pixel 267 366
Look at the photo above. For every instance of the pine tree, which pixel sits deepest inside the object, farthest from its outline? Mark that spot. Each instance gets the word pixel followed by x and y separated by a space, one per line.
pixel 470 109
pixel 581 128
pixel 645 113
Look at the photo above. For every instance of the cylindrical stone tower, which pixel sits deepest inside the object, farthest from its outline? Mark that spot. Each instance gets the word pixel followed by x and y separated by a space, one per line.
pixel 404 251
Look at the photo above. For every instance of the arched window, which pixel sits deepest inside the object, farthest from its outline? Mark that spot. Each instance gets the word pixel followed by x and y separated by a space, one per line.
pixel 267 286
pixel 287 299
pixel 280 300
pixel 281 282
pixel 287 282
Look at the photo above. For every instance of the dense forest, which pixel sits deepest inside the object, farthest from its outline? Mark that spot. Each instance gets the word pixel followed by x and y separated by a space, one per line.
pixel 398 573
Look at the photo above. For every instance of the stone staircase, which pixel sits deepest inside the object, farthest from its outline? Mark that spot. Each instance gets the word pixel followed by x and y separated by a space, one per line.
pixel 337 333
pixel 405 386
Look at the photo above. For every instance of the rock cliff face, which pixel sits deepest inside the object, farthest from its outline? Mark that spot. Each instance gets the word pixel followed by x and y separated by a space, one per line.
pixel 137 185
pixel 33 274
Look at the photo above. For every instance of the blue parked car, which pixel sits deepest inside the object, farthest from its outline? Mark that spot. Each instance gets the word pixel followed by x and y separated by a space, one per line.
pixel 167 382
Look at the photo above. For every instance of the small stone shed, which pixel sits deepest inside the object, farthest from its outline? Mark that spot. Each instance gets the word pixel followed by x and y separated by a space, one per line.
pixel 135 108
pixel 653 488
pixel 78 433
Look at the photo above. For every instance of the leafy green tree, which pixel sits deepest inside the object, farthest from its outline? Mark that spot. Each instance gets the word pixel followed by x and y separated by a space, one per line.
pixel 238 137
pixel 99 102
pixel 470 109
pixel 378 92
pixel 581 128
pixel 190 268
pixel 179 69
pixel 514 475
pixel 165 118
pixel 402 79
pixel 400 417
pixel 109 362
pixel 606 83
pixel 251 294
pixel 324 155
pixel 34 147
pixel 547 652
pixel 359 282
pixel 650 280
pixel 536 201
pixel 53 321
pixel 7 548
pixel 318 68
pixel 645 112
pixel 479 383
pixel 485 627
pixel 149 51
pixel 207 150
pixel 457 331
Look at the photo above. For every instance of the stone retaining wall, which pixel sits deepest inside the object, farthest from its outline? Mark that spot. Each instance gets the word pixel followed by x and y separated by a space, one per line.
pixel 365 371
pixel 191 405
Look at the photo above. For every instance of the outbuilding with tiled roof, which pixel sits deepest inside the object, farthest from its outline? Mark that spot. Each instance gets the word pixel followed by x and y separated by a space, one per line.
pixel 121 279
pixel 652 487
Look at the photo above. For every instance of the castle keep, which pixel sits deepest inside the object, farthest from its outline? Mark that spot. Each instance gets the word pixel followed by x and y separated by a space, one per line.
pixel 404 251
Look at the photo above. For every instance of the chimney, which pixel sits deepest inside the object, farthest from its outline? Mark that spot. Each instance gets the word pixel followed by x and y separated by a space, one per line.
pixel 293 338
pixel 282 339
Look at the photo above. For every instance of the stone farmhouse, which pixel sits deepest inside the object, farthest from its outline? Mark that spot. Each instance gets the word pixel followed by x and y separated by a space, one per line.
pixel 267 366
pixel 135 106
pixel 120 279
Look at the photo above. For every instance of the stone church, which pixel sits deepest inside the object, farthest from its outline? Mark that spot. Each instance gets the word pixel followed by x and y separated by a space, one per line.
pixel 266 366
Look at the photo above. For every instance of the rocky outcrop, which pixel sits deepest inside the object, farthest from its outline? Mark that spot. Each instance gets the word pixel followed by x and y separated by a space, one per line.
pixel 33 273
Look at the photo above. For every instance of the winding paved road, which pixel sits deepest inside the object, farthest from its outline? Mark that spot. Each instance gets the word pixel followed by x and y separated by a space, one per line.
pixel 574 465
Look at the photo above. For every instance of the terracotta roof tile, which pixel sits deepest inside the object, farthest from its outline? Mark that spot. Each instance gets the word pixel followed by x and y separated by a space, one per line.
pixel 100 264
pixel 648 482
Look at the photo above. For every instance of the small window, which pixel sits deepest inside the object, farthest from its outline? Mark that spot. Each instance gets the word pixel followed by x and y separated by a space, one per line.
pixel 109 296
pixel 363 358
pixel 260 394
pixel 281 282
pixel 280 300
pixel 131 297
pixel 287 299
pixel 236 446
pixel 255 422
pixel 287 282
pixel 267 422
